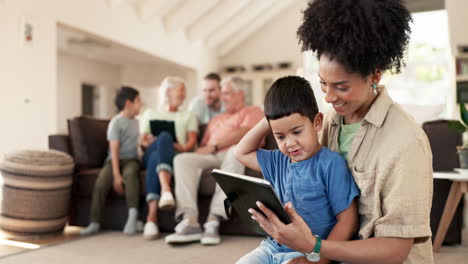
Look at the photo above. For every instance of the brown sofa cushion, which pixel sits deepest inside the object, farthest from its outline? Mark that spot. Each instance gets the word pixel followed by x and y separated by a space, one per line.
pixel 88 138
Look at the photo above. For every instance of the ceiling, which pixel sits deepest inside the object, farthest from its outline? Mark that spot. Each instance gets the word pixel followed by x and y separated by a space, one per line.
pixel 220 24
pixel 75 42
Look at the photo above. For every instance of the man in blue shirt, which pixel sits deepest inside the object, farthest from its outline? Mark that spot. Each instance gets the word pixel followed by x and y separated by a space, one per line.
pixel 209 105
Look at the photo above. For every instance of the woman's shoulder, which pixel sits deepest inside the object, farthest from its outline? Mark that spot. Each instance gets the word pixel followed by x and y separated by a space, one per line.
pixel 402 125
pixel 185 114
pixel 399 134
pixel 148 113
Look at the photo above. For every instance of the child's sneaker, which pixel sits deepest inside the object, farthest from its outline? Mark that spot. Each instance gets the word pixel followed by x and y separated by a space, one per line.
pixel 131 224
pixel 211 235
pixel 167 201
pixel 185 233
pixel 92 228
pixel 151 231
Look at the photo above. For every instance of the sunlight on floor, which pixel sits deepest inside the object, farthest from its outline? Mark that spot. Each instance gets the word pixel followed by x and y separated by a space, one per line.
pixel 25 245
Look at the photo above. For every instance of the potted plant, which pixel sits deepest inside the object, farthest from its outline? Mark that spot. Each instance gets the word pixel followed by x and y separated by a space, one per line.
pixel 461 127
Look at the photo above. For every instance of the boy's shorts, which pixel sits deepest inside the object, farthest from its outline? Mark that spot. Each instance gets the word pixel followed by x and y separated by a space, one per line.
pixel 268 252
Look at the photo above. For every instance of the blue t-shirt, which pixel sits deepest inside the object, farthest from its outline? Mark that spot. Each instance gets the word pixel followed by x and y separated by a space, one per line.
pixel 319 188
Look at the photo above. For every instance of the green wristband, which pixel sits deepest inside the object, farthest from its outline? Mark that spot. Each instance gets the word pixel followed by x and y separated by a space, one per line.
pixel 318 244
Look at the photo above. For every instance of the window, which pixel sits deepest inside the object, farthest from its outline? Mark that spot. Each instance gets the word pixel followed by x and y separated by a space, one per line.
pixel 426 78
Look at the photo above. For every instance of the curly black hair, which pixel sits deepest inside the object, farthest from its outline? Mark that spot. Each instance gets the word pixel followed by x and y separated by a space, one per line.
pixel 362 35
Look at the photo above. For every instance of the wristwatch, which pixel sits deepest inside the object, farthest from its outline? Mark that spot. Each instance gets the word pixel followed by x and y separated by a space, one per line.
pixel 314 256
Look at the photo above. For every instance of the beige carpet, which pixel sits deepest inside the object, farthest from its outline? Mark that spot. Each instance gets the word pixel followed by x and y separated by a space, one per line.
pixel 115 248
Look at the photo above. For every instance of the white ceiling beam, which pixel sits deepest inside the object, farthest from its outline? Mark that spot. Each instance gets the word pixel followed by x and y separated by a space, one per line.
pixel 150 9
pixel 240 22
pixel 166 7
pixel 114 3
pixel 244 33
pixel 187 14
pixel 216 18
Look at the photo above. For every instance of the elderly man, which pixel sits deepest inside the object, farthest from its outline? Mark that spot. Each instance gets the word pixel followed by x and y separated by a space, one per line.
pixel 222 133
pixel 209 105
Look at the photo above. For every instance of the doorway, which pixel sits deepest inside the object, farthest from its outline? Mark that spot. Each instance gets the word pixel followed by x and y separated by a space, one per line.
pixel 88 97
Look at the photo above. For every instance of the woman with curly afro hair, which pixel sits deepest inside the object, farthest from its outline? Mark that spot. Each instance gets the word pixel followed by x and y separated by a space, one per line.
pixel 356 41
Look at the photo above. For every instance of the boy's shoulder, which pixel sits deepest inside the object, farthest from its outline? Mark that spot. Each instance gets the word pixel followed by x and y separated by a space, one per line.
pixel 271 156
pixel 115 120
pixel 124 122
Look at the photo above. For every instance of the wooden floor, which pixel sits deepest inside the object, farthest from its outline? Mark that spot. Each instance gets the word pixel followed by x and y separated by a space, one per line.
pixel 11 243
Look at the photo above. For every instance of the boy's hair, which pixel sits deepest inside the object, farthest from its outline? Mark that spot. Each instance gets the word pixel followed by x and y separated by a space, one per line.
pixel 213 76
pixel 290 95
pixel 362 35
pixel 123 94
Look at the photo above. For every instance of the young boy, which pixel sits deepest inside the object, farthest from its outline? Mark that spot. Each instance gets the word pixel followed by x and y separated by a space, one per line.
pixel 314 179
pixel 122 167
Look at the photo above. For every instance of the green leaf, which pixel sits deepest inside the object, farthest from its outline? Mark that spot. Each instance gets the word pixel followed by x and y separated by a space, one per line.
pixel 464 114
pixel 457 126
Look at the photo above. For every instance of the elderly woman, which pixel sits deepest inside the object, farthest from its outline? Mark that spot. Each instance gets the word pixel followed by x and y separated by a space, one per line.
pixel 159 151
pixel 388 154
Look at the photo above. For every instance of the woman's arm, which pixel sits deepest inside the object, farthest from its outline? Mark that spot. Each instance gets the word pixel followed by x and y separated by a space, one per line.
pixel 298 236
pixel 192 140
pixel 346 226
pixel 245 150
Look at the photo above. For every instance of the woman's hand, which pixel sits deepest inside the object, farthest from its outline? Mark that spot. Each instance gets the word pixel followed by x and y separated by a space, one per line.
pixel 179 147
pixel 147 139
pixel 296 235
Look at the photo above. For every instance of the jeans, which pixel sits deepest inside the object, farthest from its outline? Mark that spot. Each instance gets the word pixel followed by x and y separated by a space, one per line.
pixel 158 156
pixel 268 252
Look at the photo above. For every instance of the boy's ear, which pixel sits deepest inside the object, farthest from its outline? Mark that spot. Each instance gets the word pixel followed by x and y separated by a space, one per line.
pixel 128 102
pixel 318 121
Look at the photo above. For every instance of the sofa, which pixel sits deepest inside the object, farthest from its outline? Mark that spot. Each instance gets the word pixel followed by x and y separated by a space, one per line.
pixel 86 143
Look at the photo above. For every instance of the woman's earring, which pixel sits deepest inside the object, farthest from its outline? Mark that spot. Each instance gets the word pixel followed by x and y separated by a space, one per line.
pixel 374 88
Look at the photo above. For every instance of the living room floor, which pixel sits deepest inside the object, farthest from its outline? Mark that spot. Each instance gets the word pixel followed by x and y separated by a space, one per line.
pixel 11 246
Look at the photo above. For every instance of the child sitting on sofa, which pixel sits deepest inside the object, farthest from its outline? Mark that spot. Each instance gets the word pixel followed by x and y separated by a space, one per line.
pixel 303 173
pixel 122 167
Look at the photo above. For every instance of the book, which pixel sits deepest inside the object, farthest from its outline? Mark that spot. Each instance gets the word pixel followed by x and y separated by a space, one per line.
pixel 244 191
pixel 158 126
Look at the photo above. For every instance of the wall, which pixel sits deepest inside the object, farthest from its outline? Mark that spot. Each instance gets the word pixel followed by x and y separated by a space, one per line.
pixel 72 72
pixel 458 23
pixel 275 42
pixel 30 72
